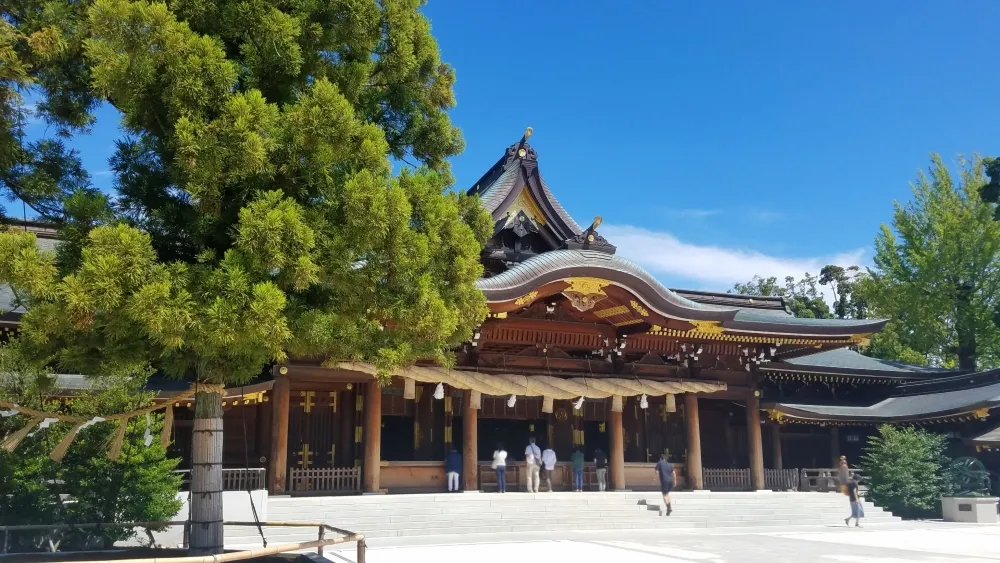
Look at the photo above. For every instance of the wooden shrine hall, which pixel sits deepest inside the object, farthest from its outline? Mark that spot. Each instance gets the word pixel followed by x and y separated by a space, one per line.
pixel 581 349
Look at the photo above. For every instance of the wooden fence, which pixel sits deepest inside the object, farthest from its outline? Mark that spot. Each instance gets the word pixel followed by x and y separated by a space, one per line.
pixel 781 479
pixel 727 479
pixel 325 480
pixel 233 479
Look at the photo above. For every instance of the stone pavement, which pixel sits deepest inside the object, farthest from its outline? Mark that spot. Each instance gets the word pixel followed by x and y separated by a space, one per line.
pixel 924 542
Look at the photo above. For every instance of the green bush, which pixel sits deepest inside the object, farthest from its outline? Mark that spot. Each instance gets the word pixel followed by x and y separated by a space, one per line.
pixel 86 486
pixel 906 469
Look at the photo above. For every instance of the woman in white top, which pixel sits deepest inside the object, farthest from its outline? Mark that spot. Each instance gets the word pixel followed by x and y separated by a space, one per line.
pixel 500 465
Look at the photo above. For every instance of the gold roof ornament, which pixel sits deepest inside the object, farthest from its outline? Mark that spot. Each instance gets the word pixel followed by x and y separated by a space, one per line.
pixel 584 293
pixel 707 327
pixel 981 414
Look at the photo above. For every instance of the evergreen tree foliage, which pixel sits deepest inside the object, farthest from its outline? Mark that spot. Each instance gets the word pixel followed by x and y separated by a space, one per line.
pixel 906 470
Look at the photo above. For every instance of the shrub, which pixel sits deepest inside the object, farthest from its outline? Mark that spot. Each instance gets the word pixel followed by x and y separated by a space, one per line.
pixel 86 487
pixel 906 470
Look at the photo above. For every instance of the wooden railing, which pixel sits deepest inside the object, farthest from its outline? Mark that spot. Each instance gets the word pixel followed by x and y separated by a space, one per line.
pixel 233 479
pixel 727 479
pixel 488 478
pixel 325 480
pixel 321 541
pixel 823 480
pixel 781 479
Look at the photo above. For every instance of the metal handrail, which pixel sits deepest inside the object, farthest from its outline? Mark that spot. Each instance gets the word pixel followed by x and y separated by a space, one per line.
pixel 321 542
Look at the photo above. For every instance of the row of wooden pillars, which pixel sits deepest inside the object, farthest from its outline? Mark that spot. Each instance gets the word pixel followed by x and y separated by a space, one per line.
pixel 372 440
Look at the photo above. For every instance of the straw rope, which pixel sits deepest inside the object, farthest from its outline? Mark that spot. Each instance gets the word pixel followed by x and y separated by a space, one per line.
pixel 542 385
pixel 12 441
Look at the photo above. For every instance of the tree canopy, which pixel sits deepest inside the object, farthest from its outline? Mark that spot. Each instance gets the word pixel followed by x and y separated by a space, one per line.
pixel 254 210
pixel 936 273
pixel 802 297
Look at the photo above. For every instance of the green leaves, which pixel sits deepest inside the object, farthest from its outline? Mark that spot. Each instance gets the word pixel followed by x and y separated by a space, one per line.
pixel 936 270
pixel 905 470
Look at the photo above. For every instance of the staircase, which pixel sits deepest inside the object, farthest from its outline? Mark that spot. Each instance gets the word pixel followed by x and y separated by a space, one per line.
pixel 390 516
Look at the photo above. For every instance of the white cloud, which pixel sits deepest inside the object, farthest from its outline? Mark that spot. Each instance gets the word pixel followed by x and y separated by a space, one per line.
pixel 718 268
pixel 695 213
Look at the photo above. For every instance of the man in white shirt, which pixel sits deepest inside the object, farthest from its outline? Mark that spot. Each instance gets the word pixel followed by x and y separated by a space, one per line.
pixel 548 465
pixel 532 459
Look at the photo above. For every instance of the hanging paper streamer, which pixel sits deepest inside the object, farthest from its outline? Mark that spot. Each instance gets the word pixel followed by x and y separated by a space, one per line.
pixel 147 437
pixel 13 440
pixel 512 401
pixel 439 392
pixel 578 404
pixel 643 402
pixel 409 388
pixel 60 451
pixel 91 422
pixel 168 423
pixel 671 403
pixel 46 422
pixel 547 403
pixel 115 448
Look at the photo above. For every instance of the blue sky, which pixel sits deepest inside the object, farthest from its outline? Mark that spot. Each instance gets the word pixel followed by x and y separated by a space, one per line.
pixel 717 139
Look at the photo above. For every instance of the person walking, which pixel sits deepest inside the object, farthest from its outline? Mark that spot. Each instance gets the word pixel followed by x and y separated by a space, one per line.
pixel 577 459
pixel 453 467
pixel 857 508
pixel 548 466
pixel 532 461
pixel 601 461
pixel 500 466
pixel 665 471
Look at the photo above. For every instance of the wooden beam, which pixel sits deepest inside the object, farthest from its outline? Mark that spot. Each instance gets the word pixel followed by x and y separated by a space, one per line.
pixel 754 442
pixel 617 452
pixel 776 460
pixel 693 426
pixel 373 437
pixel 834 446
pixel 470 444
pixel 278 461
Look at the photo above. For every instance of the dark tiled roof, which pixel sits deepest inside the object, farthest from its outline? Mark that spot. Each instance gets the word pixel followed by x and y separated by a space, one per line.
pixel 849 360
pixel 771 304
pixel 946 397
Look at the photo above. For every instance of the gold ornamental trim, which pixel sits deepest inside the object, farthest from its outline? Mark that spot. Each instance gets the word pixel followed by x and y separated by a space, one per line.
pixel 639 308
pixel 628 322
pixel 707 327
pixel 612 311
pixel 526 299
pixel 657 330
pixel 526 202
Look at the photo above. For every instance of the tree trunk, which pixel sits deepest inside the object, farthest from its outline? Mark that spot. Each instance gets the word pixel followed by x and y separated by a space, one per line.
pixel 206 474
pixel 965 326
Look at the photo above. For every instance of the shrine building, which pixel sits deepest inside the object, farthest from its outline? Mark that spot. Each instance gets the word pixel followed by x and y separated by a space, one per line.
pixel 584 349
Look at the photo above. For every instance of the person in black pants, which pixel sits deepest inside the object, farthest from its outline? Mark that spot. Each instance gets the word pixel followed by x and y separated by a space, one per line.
pixel 665 471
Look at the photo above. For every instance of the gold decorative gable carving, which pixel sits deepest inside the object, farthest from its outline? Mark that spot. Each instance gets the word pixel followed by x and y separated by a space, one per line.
pixel 612 311
pixel 526 202
pixel 639 308
pixel 584 293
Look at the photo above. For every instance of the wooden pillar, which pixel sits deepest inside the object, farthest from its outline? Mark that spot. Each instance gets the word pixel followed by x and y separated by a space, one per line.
pixel 776 461
pixel 617 452
pixel 834 446
pixel 754 442
pixel 470 444
pixel 693 426
pixel 373 438
pixel 278 461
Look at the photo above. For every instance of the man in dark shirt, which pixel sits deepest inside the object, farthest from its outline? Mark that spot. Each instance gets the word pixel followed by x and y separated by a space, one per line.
pixel 665 470
pixel 601 461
